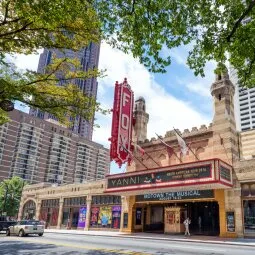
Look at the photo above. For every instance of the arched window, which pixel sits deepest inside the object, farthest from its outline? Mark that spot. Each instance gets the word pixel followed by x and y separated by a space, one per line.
pixel 29 210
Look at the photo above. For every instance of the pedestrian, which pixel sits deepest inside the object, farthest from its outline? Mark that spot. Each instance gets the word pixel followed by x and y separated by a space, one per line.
pixel 186 224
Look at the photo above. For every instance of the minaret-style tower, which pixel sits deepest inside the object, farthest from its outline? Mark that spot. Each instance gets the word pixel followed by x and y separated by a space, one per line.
pixel 141 120
pixel 225 144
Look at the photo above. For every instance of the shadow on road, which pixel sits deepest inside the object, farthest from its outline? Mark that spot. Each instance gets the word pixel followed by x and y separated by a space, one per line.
pixel 19 247
pixel 15 247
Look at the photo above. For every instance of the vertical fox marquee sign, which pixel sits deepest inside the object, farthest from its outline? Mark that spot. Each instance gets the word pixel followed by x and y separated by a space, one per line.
pixel 122 118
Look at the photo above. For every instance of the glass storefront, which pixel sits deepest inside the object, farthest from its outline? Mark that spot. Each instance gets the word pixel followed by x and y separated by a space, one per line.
pixel 49 212
pixel 248 194
pixel 82 217
pixel 74 212
pixel 249 216
pixel 105 212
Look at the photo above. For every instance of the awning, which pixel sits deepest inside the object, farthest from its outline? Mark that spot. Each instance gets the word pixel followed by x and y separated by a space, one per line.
pixel 199 175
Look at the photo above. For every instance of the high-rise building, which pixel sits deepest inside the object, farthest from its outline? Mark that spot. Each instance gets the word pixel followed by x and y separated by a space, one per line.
pixel 244 104
pixel 41 151
pixel 89 58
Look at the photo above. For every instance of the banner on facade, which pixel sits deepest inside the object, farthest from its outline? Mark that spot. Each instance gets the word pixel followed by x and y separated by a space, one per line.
pixel 94 216
pixel 82 217
pixel 54 217
pixel 105 216
pixel 116 214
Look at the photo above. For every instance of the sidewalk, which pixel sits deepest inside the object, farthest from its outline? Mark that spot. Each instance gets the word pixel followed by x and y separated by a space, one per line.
pixel 195 238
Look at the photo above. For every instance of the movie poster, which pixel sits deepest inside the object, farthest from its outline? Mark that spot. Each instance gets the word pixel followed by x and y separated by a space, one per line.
pixel 116 212
pixel 105 216
pixel 54 216
pixel 43 214
pixel 94 216
pixel 82 217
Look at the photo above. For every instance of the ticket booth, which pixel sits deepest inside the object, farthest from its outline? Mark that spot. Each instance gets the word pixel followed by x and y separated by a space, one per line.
pixel 174 217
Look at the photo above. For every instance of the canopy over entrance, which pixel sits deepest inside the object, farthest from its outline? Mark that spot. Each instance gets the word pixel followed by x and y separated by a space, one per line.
pixel 200 175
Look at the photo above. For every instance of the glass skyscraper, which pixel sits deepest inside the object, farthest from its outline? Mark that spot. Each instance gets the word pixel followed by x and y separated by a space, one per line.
pixel 89 58
pixel 244 104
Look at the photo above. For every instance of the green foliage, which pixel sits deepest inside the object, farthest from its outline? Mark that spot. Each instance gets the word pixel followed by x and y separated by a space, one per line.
pixel 41 90
pixel 220 30
pixel 28 25
pixel 10 194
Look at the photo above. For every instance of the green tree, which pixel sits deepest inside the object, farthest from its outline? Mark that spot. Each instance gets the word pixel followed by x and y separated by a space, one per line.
pixel 220 30
pixel 10 194
pixel 28 25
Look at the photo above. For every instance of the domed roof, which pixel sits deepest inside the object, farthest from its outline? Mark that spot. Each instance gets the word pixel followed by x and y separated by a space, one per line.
pixel 140 99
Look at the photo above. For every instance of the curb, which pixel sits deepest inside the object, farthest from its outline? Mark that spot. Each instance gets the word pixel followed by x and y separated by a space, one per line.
pixel 160 238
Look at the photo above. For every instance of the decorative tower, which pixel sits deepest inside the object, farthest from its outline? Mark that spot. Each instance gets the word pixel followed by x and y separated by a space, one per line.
pixel 225 143
pixel 224 127
pixel 141 120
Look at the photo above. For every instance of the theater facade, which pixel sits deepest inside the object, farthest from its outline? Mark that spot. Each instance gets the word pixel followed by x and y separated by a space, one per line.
pixel 212 184
pixel 72 206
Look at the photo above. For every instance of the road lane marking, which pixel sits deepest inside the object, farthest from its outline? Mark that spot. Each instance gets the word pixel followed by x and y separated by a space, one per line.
pixel 82 247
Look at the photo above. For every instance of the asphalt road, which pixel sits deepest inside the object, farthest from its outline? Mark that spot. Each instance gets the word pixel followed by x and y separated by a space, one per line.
pixel 68 244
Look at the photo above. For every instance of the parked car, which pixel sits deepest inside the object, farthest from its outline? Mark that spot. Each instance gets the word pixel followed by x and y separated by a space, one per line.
pixel 4 223
pixel 26 227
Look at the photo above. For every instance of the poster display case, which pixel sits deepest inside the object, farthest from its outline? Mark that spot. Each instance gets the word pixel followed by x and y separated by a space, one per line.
pixel 174 217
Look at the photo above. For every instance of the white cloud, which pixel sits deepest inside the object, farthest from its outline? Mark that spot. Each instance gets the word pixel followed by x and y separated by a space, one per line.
pixel 27 61
pixel 179 54
pixel 199 85
pixel 164 109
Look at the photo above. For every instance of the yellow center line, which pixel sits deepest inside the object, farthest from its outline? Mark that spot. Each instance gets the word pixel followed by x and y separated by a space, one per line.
pixel 83 247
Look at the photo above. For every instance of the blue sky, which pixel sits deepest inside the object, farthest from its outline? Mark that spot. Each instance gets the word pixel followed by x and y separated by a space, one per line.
pixel 176 98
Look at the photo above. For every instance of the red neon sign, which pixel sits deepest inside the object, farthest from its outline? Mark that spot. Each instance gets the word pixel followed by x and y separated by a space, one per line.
pixel 122 118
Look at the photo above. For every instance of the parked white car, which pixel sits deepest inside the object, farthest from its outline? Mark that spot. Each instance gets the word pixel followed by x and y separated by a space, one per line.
pixel 26 227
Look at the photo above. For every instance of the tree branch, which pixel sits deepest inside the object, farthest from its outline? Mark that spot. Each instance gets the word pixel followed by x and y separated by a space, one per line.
pixel 250 69
pixel 16 31
pixel 245 13
pixel 47 77
pixel 36 105
pixel 6 12
pixel 10 21
pixel 133 7
pixel 56 79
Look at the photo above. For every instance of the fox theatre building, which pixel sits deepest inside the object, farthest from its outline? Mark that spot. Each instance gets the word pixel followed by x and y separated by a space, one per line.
pixel 162 198
pixel 178 175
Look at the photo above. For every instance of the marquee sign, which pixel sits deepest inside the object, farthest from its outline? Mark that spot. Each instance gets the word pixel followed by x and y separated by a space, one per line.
pixel 200 175
pixel 176 195
pixel 200 172
pixel 122 119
